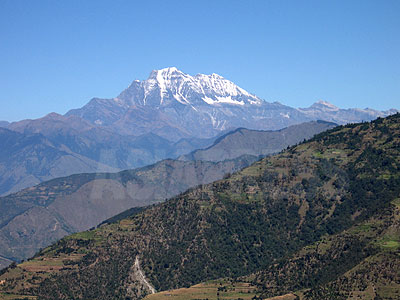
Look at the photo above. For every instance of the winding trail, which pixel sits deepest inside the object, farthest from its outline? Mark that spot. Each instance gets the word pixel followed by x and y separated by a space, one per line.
pixel 141 276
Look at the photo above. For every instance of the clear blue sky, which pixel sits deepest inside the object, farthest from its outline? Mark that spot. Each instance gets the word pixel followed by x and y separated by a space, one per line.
pixel 57 55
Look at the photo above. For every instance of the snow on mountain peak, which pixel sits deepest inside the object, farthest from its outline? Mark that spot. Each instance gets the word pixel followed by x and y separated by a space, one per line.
pixel 325 105
pixel 223 90
pixel 169 69
pixel 172 85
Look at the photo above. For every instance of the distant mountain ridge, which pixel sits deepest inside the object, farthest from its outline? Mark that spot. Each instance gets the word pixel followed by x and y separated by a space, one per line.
pixel 28 159
pixel 327 111
pixel 4 123
pixel 55 146
pixel 173 104
pixel 257 142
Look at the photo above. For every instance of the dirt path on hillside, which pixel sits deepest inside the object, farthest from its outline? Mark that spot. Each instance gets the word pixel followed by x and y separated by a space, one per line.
pixel 141 276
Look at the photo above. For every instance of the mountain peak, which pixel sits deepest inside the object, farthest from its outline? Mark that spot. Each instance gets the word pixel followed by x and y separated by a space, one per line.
pixel 165 72
pixel 170 70
pixel 215 75
pixel 53 116
pixel 170 86
pixel 324 105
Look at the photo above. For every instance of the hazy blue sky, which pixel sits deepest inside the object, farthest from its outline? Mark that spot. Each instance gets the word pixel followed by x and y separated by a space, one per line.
pixel 57 55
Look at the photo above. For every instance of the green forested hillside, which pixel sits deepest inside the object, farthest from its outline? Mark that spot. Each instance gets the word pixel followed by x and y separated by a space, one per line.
pixel 360 261
pixel 267 220
pixel 36 217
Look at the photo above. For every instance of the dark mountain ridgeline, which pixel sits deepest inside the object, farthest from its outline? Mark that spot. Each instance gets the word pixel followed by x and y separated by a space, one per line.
pixel 69 147
pixel 257 142
pixel 257 219
pixel 104 145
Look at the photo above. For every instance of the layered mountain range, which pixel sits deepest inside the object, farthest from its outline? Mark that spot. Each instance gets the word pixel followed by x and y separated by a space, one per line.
pixel 167 115
pixel 54 146
pixel 34 217
pixel 320 220
pixel 27 159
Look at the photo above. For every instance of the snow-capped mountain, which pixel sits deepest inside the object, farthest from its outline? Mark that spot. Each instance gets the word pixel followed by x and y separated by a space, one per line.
pixel 326 111
pixel 174 104
pixel 168 86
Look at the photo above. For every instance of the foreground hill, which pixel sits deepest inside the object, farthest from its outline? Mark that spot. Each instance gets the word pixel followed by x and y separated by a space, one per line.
pixel 359 263
pixel 257 220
